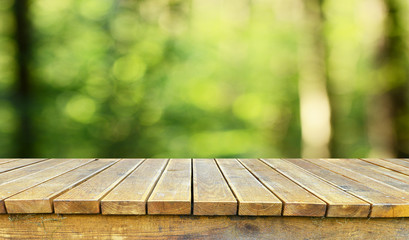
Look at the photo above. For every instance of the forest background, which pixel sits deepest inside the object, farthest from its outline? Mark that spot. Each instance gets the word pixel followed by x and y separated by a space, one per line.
pixel 204 78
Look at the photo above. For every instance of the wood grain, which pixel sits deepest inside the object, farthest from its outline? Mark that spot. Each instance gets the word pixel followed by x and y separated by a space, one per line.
pixel 53 226
pixel 398 161
pixel 6 160
pixel 372 171
pixel 172 194
pixel 253 197
pixel 374 181
pixel 266 187
pixel 11 188
pixel 212 195
pixel 39 199
pixel 386 175
pixel 131 195
pixel 27 170
pixel 382 205
pixel 85 198
pixel 297 201
pixel 340 203
pixel 8 166
pixel 387 164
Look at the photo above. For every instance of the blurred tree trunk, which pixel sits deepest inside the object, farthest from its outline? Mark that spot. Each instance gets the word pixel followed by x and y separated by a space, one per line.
pixel 388 114
pixel 315 111
pixel 22 94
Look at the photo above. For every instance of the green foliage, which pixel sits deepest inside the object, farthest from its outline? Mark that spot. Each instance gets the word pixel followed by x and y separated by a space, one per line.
pixel 175 78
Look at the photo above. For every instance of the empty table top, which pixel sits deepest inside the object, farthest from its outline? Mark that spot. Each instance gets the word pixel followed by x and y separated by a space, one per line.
pixel 245 187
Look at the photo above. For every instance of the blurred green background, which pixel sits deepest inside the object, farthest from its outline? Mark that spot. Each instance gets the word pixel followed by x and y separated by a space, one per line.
pixel 204 78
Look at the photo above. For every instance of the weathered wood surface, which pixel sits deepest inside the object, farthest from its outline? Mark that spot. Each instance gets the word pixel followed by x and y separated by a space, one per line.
pixel 297 201
pixel 173 192
pixel 6 160
pixel 8 166
pixel 85 198
pixel 382 205
pixel 131 195
pixel 11 188
pixel 253 197
pixel 38 199
pixel 360 188
pixel 52 226
pixel 212 195
pixel 340 203
pixel 31 169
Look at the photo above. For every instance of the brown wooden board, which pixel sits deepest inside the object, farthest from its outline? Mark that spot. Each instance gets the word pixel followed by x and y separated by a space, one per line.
pixel 85 198
pixel 398 161
pixel 131 195
pixel 6 160
pixel 39 199
pixel 373 171
pixel 8 166
pixel 297 201
pixel 253 197
pixel 31 169
pixel 387 164
pixel 172 194
pixel 212 195
pixel 340 203
pixel 382 205
pixel 11 188
pixel 245 187
pixel 54 226
pixel 387 185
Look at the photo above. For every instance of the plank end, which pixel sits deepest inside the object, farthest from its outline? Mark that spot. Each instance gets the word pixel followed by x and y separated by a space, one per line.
pixel 305 209
pixel 349 210
pixel 2 207
pixel 169 207
pixel 123 207
pixel 260 208
pixel 76 206
pixel 28 206
pixel 390 210
pixel 214 208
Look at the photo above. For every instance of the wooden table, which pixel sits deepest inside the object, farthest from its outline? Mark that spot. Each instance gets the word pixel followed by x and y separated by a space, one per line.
pixel 204 198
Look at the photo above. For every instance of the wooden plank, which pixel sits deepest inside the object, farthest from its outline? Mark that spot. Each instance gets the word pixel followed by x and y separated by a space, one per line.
pixel 211 193
pixel 85 198
pixel 34 168
pixel 6 160
pixel 377 166
pixel 39 199
pixel 372 178
pixel 172 194
pixel 340 203
pixel 11 188
pixel 18 164
pixel 381 204
pixel 398 161
pixel 387 164
pixel 297 201
pixel 53 226
pixel 254 198
pixel 380 186
pixel 131 195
